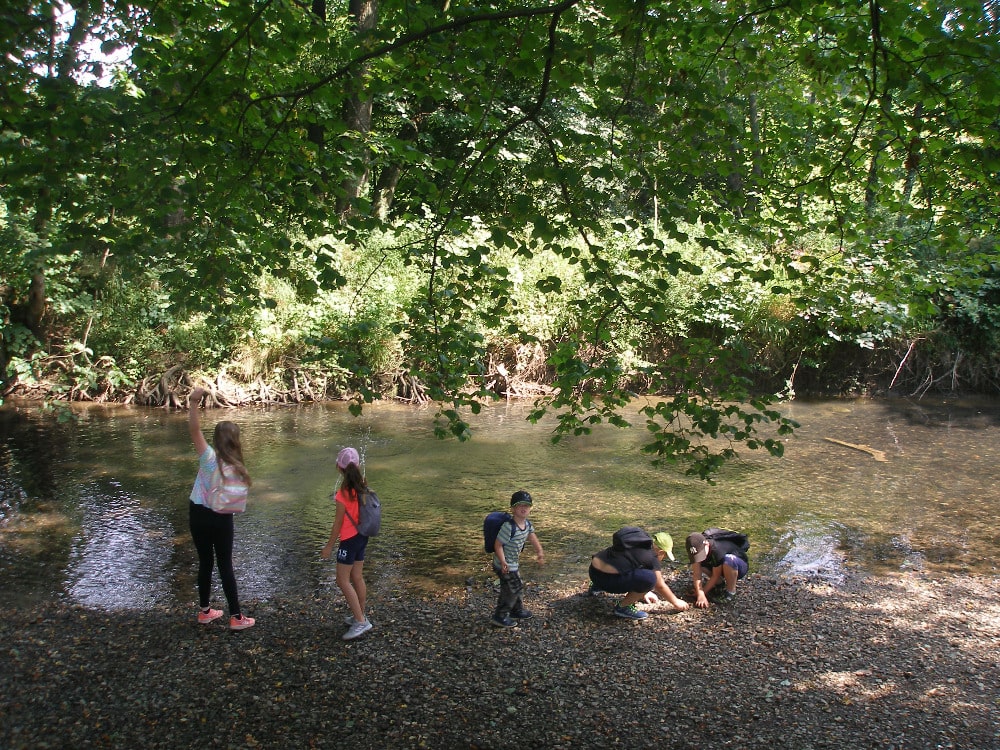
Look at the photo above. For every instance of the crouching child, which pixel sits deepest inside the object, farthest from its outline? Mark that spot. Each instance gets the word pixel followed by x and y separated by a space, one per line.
pixel 717 556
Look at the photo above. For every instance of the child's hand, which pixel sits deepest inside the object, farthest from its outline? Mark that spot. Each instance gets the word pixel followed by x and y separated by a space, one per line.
pixel 541 558
pixel 650 597
pixel 326 551
pixel 197 395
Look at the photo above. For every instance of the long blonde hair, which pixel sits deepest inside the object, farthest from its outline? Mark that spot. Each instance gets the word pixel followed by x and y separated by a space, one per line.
pixel 229 449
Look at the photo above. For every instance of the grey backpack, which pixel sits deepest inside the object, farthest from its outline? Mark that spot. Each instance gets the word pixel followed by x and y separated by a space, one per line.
pixel 369 519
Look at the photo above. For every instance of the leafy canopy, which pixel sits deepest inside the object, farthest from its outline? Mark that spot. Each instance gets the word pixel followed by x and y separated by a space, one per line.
pixel 238 134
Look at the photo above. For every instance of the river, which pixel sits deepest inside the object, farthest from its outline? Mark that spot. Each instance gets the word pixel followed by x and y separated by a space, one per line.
pixel 94 510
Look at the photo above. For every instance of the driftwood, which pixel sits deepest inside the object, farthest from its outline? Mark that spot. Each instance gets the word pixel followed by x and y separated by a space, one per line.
pixel 876 454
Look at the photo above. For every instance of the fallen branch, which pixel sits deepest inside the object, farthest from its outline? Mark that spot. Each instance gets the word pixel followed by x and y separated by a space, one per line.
pixel 876 454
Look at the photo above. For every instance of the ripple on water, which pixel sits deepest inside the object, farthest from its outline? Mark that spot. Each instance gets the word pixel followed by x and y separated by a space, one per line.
pixel 813 549
pixel 120 556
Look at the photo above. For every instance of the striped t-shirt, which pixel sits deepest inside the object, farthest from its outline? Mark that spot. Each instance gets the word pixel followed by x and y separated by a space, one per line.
pixel 512 540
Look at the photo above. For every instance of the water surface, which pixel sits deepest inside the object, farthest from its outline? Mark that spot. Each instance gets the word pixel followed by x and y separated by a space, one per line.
pixel 96 511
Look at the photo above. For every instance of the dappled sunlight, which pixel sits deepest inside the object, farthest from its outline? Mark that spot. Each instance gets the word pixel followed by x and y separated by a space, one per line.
pixel 934 640
pixel 852 686
pixel 33 533
pixel 913 604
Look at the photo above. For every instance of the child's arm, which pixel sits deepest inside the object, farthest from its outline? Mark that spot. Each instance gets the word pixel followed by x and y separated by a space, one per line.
pixel 701 601
pixel 338 521
pixel 498 551
pixel 699 595
pixel 539 553
pixel 194 425
pixel 664 590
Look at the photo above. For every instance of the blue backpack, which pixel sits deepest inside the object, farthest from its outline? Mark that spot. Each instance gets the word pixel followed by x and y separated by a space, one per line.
pixel 491 527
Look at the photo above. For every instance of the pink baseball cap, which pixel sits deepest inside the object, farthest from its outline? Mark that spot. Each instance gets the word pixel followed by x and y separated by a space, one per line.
pixel 347 457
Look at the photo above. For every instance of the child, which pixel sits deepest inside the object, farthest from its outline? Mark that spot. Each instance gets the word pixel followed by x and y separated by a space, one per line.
pixel 723 555
pixel 213 532
pixel 632 566
pixel 506 551
pixel 351 553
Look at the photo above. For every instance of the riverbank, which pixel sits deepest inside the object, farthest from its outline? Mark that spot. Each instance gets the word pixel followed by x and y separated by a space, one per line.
pixel 902 662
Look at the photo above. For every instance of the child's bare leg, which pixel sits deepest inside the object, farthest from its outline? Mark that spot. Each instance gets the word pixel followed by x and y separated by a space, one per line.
pixel 358 582
pixel 631 598
pixel 344 582
pixel 730 573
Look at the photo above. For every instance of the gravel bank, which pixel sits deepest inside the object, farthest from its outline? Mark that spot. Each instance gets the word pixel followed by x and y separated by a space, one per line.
pixel 907 662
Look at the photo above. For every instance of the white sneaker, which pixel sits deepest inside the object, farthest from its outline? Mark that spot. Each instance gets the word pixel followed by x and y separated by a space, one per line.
pixel 357 629
pixel 349 619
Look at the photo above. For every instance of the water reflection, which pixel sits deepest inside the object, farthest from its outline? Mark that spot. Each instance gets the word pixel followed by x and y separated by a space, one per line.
pixel 120 556
pixel 97 511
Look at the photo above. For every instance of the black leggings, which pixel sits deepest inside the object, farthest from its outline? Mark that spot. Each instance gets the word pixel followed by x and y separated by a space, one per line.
pixel 213 538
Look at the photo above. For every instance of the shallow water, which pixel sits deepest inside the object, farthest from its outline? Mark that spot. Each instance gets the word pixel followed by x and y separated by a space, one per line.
pixel 96 511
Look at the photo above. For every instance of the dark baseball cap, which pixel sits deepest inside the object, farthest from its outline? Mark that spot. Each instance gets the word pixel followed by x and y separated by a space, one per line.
pixel 696 547
pixel 520 498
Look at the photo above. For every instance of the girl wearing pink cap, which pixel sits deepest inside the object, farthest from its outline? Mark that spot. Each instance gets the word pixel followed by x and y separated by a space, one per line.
pixel 351 553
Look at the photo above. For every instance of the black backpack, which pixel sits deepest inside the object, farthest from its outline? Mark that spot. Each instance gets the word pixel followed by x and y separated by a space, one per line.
pixel 631 537
pixel 742 541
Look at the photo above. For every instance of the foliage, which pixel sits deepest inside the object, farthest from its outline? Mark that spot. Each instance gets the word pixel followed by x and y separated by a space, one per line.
pixel 685 187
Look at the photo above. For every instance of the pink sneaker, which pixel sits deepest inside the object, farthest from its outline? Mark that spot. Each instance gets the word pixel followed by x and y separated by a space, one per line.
pixel 206 617
pixel 241 623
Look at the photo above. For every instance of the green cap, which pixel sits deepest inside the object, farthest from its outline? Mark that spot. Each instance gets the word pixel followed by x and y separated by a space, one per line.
pixel 664 541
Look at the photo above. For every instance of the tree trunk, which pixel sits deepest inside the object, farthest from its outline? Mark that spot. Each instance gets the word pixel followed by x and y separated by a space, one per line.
pixel 734 180
pixel 315 132
pixel 358 109
pixel 388 178
pixel 882 134
pixel 912 164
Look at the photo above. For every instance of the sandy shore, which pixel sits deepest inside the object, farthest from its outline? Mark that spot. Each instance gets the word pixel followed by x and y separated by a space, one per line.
pixel 905 662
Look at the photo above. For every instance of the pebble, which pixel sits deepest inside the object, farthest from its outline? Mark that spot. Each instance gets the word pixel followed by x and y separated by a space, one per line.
pixel 838 664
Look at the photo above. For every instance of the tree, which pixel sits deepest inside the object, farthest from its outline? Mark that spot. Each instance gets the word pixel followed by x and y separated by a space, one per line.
pixel 240 133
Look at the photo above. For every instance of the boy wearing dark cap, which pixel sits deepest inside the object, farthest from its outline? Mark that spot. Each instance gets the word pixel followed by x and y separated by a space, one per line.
pixel 506 553
pixel 721 559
